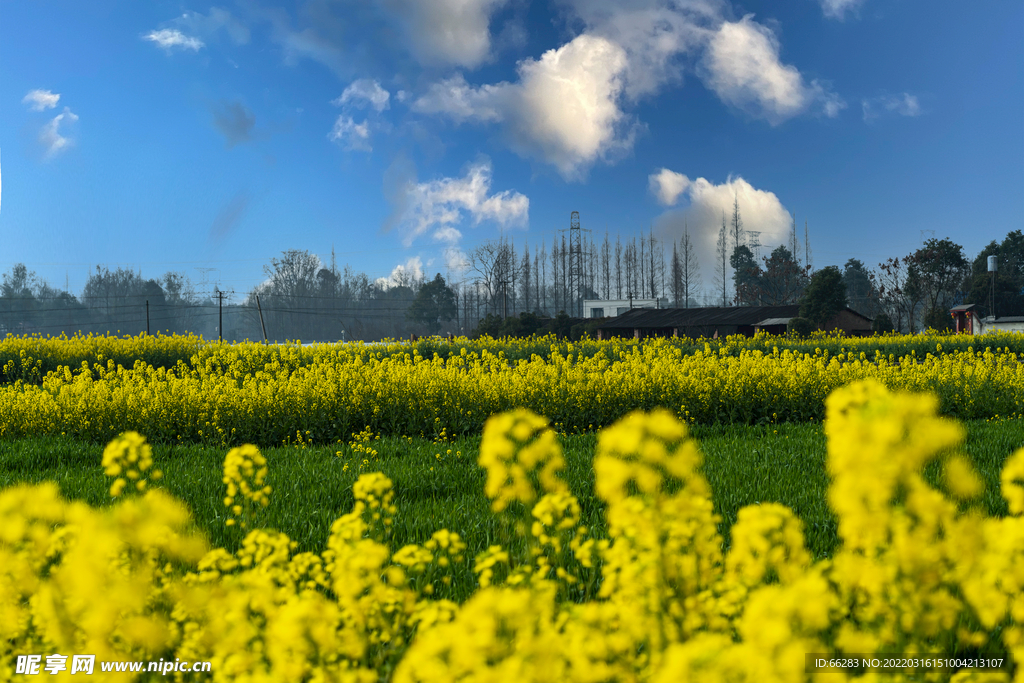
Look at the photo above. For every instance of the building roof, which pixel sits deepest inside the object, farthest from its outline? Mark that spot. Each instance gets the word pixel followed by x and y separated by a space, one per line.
pixel 700 317
pixel 962 307
pixel 858 314
pixel 739 316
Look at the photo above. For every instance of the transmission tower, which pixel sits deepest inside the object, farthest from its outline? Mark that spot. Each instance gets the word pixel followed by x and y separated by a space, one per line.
pixel 204 272
pixel 754 241
pixel 576 263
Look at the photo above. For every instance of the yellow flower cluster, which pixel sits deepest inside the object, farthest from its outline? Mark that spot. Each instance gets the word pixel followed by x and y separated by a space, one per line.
pixel 659 600
pixel 251 393
pixel 521 456
pixel 127 458
pixel 245 471
pixel 30 358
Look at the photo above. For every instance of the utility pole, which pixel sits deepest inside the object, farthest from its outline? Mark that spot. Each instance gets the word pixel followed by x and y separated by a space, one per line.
pixel 260 309
pixel 220 324
pixel 147 317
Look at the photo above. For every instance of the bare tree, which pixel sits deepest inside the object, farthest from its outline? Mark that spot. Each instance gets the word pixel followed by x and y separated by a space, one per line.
pixel 722 273
pixel 541 259
pixel 662 270
pixel 627 270
pixel 526 276
pixel 496 268
pixel 677 276
pixel 181 297
pixel 896 294
pixel 510 267
pixel 642 267
pixel 654 256
pixel 592 269
pixel 606 267
pixel 556 279
pixel 566 295
pixel 737 224
pixel 618 267
pixel 690 267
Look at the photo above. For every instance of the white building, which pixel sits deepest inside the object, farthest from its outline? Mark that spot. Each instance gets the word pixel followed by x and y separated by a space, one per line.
pixel 967 320
pixel 599 308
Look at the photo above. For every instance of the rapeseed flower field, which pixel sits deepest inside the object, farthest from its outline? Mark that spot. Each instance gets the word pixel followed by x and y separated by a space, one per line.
pixel 918 573
pixel 229 394
pixel 921 570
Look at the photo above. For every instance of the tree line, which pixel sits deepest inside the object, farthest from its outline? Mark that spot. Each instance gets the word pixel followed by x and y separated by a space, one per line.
pixel 305 298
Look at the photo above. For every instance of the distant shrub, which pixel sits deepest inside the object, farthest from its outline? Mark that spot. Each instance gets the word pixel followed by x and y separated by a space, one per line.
pixel 801 326
pixel 882 324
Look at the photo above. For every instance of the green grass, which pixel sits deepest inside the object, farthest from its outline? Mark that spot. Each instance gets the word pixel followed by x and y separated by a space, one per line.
pixel 744 465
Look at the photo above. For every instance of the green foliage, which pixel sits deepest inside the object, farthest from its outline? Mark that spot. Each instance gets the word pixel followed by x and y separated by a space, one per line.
pixel 825 296
pixel 1009 285
pixel 939 319
pixel 938 274
pixel 882 324
pixel 561 325
pixel 434 303
pixel 436 488
pixel 746 275
pixel 526 325
pixel 783 281
pixel 800 326
pixel 860 289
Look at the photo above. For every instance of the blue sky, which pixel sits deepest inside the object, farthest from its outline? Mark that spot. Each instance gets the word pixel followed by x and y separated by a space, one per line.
pixel 184 136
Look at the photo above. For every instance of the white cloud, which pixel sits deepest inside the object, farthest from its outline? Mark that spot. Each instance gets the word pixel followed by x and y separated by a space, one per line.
pixel 51 139
pixel 836 9
pixel 168 38
pixel 366 90
pixel 667 185
pixel 38 100
pixel 831 103
pixel 760 210
pixel 351 135
pixel 448 32
pixel 564 108
pixel 742 66
pixel 653 34
pixel 459 100
pixel 456 261
pixel 901 105
pixel 404 274
pixel 568 108
pixel 438 206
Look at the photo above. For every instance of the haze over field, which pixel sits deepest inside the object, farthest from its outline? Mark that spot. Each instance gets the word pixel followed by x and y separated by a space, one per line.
pixel 209 138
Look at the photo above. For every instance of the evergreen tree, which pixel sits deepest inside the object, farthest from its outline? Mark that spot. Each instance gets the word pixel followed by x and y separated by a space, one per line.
pixel 825 296
pixel 434 303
